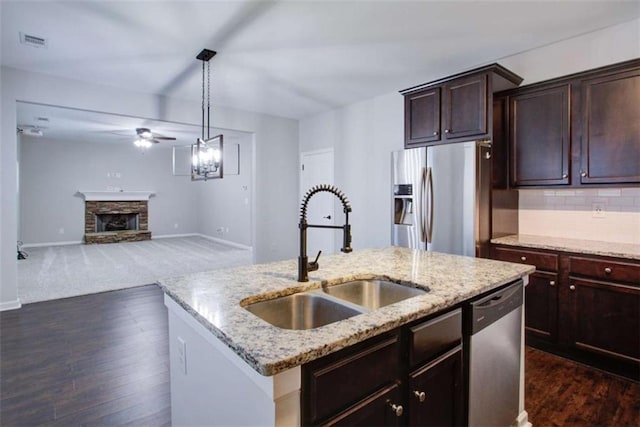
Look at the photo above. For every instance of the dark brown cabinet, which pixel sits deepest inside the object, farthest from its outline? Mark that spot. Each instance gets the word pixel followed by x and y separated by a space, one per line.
pixel 604 299
pixel 610 149
pixel 377 410
pixel 422 124
pixel 577 130
pixel 583 307
pixel 464 108
pixel 409 376
pixel 539 136
pixel 435 392
pixel 541 294
pixel 457 108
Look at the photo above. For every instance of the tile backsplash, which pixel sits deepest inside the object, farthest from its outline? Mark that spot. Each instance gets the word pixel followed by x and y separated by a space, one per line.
pixel 611 214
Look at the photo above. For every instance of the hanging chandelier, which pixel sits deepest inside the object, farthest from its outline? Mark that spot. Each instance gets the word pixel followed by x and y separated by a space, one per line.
pixel 206 153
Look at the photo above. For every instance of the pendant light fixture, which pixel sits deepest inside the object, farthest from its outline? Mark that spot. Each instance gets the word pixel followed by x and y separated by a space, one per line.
pixel 206 153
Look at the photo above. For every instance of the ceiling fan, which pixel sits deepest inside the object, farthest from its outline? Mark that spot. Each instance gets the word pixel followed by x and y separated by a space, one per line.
pixel 146 138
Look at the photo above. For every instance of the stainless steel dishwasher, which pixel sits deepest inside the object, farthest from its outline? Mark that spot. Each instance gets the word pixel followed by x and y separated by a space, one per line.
pixel 492 338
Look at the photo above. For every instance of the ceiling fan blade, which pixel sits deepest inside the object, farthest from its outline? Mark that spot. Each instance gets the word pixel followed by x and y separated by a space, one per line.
pixel 166 138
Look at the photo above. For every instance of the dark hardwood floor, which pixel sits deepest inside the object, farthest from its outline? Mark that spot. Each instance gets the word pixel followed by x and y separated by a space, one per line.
pixel 99 359
pixel 560 392
pixel 103 359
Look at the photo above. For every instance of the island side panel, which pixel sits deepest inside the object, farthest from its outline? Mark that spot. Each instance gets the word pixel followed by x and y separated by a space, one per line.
pixel 218 387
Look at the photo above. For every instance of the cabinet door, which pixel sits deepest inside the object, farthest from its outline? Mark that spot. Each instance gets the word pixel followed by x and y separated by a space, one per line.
pixel 422 117
pixel 377 410
pixel 541 305
pixel 539 137
pixel 435 392
pixel 465 110
pixel 606 319
pixel 610 149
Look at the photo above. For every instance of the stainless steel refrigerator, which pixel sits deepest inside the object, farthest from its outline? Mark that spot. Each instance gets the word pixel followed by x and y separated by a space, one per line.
pixel 441 198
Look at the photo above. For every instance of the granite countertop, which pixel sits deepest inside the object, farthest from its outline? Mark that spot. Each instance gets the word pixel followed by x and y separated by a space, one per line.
pixel 216 299
pixel 591 247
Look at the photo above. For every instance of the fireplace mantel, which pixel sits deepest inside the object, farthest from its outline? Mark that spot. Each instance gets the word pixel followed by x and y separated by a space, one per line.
pixel 116 196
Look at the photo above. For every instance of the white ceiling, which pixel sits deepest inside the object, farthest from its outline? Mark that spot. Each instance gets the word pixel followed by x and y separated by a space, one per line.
pixel 289 58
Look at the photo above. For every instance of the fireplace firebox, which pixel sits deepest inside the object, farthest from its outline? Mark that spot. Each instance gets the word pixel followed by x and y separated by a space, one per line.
pixel 111 221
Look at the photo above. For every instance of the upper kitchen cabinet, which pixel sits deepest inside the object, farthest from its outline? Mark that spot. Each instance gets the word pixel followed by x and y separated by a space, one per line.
pixel 539 136
pixel 610 149
pixel 456 108
pixel 577 130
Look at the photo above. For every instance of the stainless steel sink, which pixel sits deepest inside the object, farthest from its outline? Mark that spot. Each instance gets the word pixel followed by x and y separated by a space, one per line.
pixel 301 311
pixel 373 294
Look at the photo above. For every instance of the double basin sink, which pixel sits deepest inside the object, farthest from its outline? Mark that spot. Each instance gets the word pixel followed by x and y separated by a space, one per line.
pixel 312 309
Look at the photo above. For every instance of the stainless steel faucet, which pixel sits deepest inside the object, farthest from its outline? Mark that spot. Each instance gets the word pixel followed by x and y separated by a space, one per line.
pixel 304 266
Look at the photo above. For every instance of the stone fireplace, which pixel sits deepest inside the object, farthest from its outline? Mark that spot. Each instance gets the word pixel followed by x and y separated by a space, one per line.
pixel 112 217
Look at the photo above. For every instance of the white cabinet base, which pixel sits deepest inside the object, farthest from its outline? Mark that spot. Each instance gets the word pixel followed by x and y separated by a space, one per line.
pixel 211 385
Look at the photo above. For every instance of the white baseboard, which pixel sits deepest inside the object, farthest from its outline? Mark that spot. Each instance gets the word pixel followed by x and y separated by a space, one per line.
pixel 39 245
pixel 226 242
pixel 10 305
pixel 169 236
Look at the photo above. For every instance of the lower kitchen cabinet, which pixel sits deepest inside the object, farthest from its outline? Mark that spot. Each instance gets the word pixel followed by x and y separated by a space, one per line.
pixel 436 393
pixel 377 410
pixel 588 309
pixel 541 306
pixel 541 294
pixel 604 297
pixel 410 376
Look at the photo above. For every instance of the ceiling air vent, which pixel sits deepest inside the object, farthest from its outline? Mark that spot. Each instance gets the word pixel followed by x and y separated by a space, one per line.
pixel 33 41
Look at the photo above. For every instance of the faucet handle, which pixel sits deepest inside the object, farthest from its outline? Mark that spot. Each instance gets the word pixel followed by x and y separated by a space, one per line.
pixel 313 265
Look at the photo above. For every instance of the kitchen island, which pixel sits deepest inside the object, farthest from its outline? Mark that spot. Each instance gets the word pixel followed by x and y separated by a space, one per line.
pixel 230 367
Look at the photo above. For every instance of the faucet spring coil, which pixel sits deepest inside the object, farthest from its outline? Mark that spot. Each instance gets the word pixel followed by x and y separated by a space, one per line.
pixel 323 187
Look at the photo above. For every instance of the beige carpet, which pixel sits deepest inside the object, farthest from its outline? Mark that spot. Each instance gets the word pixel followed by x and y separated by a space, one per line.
pixel 63 271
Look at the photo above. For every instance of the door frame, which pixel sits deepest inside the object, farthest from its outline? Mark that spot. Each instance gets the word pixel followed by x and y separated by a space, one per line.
pixel 301 191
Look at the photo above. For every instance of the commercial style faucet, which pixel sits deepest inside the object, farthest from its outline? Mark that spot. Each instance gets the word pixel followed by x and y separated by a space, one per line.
pixel 304 267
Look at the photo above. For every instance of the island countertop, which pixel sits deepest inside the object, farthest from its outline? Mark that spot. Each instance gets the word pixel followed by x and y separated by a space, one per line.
pixel 216 299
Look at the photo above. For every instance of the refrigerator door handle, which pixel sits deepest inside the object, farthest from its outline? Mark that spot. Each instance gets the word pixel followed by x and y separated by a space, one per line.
pixel 421 206
pixel 431 206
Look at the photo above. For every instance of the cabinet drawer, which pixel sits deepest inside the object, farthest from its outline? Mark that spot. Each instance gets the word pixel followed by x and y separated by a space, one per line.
pixel 608 270
pixel 338 381
pixel 433 337
pixel 541 260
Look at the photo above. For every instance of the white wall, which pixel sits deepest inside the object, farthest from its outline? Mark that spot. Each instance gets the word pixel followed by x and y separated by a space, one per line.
pixel 276 157
pixel 363 134
pixel 53 171
pixel 224 205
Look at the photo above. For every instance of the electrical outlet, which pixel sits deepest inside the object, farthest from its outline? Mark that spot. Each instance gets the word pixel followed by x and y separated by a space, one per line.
pixel 182 356
pixel 598 211
pixel 61 231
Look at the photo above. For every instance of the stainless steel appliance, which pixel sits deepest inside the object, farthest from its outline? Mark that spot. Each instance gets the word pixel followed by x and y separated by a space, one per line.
pixel 493 356
pixel 441 198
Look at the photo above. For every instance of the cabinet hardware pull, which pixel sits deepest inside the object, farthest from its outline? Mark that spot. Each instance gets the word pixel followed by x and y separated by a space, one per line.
pixel 447 130
pixel 565 176
pixel 583 174
pixel 552 283
pixel 397 409
pixel 420 395
pixel 607 270
pixel 523 258
pixel 435 133
pixel 572 287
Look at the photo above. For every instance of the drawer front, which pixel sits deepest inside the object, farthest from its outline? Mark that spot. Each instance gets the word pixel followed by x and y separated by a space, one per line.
pixel 433 337
pixel 607 270
pixel 542 261
pixel 340 381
